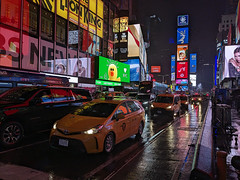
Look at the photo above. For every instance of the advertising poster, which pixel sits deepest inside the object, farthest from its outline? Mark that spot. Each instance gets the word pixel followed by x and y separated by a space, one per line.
pixel 181 81
pixel 80 67
pixel 193 63
pixel 193 79
pixel 181 88
pixel 173 59
pixel 113 70
pixel 155 69
pixel 232 62
pixel 182 20
pixel 182 70
pixel 133 41
pixel 182 52
pixel 173 76
pixel 182 35
pixel 134 69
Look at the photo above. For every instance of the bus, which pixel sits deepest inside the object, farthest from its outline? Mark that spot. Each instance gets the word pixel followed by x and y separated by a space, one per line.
pixel 152 87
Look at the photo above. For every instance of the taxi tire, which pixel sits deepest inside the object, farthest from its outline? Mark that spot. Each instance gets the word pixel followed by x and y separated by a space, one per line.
pixel 15 132
pixel 109 143
pixel 140 130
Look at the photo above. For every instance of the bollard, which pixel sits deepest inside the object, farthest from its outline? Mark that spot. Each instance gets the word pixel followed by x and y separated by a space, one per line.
pixel 221 165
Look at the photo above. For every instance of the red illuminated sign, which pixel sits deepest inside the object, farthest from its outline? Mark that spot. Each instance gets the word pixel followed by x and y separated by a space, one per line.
pixel 155 69
pixel 182 70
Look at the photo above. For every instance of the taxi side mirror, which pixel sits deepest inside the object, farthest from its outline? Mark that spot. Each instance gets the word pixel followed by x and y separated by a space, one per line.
pixel 120 116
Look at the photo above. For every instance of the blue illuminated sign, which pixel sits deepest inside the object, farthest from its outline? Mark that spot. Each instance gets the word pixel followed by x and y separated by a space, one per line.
pixel 182 35
pixel 181 88
pixel 134 69
pixel 173 58
pixel 182 20
pixel 193 63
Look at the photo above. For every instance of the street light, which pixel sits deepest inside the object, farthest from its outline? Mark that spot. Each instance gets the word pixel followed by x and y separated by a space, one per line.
pixel 213 66
pixel 163 77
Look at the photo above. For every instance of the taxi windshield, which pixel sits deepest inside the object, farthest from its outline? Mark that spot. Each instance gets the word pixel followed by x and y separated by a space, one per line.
pixel 164 99
pixel 95 109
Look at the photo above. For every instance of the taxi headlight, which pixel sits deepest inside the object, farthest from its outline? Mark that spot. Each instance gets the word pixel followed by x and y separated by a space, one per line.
pixel 94 130
pixel 145 102
pixel 199 99
pixel 55 125
pixel 169 107
pixel 152 106
pixel 186 102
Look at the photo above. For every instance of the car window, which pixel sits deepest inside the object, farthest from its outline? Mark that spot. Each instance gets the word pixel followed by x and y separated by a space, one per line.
pixel 132 106
pixel 122 109
pixel 60 95
pixel 80 94
pixel 95 109
pixel 45 96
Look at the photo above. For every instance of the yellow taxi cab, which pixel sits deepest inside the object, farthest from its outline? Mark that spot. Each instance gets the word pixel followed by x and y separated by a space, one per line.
pixel 98 125
pixel 166 103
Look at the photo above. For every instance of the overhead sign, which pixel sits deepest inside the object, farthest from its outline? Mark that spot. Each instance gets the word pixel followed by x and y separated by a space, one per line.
pixel 113 70
pixel 182 35
pixel 193 63
pixel 155 69
pixel 173 59
pixel 182 70
pixel 182 20
pixel 182 52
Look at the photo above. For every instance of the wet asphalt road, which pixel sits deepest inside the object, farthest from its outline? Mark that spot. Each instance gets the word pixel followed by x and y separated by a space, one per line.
pixel 165 151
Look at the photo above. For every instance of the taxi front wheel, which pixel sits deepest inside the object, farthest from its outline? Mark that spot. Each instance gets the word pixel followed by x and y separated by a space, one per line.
pixel 109 143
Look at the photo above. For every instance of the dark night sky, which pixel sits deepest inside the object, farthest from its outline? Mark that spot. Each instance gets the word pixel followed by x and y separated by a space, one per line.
pixel 204 17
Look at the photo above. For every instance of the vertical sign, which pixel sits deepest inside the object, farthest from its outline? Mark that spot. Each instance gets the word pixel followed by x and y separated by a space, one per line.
pixel 182 20
pixel 193 63
pixel 173 57
pixel 182 35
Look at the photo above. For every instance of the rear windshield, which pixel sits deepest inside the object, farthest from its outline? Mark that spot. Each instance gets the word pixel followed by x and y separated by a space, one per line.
pixel 95 109
pixel 18 94
pixel 143 97
pixel 164 99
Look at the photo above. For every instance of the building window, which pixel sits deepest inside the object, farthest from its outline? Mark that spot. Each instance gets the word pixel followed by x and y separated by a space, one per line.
pixel 61 26
pixel 47 25
pixel 73 36
pixel 105 13
pixel 30 18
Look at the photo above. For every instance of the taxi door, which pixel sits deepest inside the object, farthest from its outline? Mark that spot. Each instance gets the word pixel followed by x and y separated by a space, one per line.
pixel 177 104
pixel 122 126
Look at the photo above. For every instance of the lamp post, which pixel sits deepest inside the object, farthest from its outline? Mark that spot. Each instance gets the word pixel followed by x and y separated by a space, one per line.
pixel 163 80
pixel 213 66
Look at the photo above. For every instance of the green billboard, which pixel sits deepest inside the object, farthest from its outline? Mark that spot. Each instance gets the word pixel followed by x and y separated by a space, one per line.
pixel 113 70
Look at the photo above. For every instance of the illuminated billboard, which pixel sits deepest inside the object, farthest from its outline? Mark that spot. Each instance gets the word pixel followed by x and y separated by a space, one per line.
pixel 193 79
pixel 134 69
pixel 181 81
pixel 181 88
pixel 112 70
pixel 182 35
pixel 193 63
pixel 80 67
pixel 173 76
pixel 155 69
pixel 230 68
pixel 182 52
pixel 182 70
pixel 182 20
pixel 173 58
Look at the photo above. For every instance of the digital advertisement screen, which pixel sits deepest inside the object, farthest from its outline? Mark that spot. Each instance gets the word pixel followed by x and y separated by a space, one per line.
pixel 134 69
pixel 181 88
pixel 193 79
pixel 182 20
pixel 113 70
pixel 193 63
pixel 182 35
pixel 173 76
pixel 182 70
pixel 155 69
pixel 182 52
pixel 181 81
pixel 173 59
pixel 231 68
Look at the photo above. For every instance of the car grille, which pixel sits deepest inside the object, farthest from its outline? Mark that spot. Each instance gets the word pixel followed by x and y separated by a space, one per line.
pixel 66 132
pixel 73 144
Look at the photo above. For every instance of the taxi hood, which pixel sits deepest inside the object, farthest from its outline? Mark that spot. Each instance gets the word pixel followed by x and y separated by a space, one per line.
pixel 73 122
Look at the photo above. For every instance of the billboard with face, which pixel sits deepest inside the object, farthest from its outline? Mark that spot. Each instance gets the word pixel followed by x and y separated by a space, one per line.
pixel 182 52
pixel 134 69
pixel 113 70
pixel 182 70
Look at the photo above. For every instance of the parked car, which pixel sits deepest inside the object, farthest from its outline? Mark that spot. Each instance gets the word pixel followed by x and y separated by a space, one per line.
pixel 29 109
pixel 98 126
pixel 146 99
pixel 167 103
pixel 184 101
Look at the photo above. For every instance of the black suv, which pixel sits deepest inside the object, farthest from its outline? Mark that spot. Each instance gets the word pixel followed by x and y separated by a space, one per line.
pixel 24 110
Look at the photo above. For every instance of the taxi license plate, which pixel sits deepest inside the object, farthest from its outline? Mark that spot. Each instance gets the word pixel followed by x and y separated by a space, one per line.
pixel 63 142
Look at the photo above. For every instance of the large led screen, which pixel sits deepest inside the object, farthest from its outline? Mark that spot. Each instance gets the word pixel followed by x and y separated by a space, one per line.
pixel 181 81
pixel 193 63
pixel 113 70
pixel 182 35
pixel 182 20
pixel 134 69
pixel 193 79
pixel 181 88
pixel 182 70
pixel 182 52
pixel 173 57
pixel 231 66
pixel 155 69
